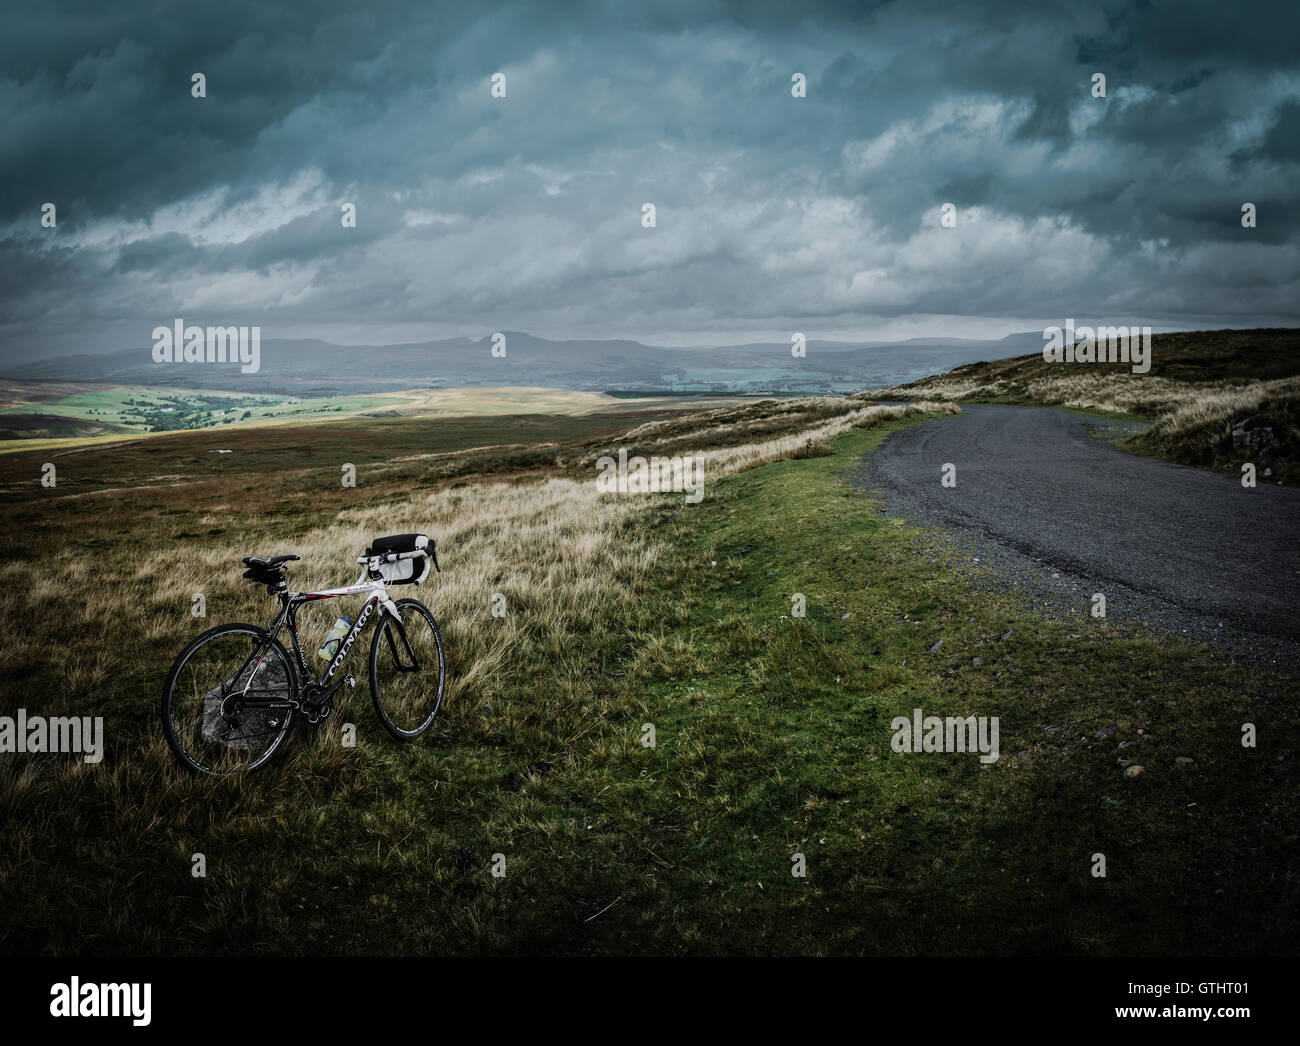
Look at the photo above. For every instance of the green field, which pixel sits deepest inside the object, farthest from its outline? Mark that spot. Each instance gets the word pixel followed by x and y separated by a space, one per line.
pixel 773 733
pixel 140 409
pixel 36 416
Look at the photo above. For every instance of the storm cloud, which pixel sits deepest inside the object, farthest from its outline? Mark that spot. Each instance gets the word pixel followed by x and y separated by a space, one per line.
pixel 773 213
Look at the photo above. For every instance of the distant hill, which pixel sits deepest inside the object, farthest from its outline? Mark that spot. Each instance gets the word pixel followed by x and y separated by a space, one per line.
pixel 304 367
pixel 1215 399
pixel 1233 356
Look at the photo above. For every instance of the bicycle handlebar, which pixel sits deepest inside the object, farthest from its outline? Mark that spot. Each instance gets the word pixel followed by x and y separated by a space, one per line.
pixel 392 557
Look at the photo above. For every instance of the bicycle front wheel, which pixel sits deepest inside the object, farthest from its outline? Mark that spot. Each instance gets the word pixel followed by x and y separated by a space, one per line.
pixel 408 670
pixel 226 705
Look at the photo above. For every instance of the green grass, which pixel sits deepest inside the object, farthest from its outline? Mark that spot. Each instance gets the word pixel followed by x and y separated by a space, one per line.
pixel 784 725
pixel 772 739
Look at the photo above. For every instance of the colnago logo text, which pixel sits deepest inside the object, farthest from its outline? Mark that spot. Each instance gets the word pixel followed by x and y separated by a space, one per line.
pixel 342 655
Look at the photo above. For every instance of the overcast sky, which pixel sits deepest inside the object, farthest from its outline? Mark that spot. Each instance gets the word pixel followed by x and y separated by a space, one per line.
pixel 774 213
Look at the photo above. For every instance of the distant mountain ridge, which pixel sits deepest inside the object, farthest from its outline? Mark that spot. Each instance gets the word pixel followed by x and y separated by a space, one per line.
pixel 311 367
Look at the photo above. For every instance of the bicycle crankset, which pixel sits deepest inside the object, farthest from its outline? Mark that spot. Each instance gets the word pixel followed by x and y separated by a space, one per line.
pixel 317 700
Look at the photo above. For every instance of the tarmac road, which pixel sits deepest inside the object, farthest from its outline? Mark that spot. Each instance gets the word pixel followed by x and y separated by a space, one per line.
pixel 1177 547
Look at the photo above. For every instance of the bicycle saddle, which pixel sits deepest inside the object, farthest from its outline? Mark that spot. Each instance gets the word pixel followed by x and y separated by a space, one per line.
pixel 267 562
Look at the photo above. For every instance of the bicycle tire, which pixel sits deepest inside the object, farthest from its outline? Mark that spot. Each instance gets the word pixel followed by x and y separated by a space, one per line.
pixel 259 636
pixel 377 640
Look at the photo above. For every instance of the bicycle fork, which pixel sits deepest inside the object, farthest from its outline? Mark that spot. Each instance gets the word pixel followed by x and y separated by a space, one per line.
pixel 414 666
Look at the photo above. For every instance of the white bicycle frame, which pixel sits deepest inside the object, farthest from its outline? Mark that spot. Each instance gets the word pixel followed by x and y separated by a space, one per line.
pixel 376 592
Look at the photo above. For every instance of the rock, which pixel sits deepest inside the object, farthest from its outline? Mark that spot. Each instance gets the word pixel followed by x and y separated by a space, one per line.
pixel 1005 637
pixel 256 727
pixel 1123 745
pixel 1247 436
pixel 935 649
pixel 1124 762
pixel 1106 732
pixel 1133 771
pixel 845 617
pixel 1183 760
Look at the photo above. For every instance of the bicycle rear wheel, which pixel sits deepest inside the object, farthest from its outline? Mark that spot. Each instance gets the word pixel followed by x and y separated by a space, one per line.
pixel 216 712
pixel 408 670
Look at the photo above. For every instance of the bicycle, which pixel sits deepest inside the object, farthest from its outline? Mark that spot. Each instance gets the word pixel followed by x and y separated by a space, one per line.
pixel 222 720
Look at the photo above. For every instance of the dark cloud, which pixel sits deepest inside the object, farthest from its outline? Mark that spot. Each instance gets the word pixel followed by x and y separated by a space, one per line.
pixel 476 214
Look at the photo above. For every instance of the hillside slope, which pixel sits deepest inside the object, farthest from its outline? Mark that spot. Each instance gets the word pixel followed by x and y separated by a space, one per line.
pixel 1215 399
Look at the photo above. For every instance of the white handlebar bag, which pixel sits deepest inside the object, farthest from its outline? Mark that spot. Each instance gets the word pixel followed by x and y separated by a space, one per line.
pixel 402 559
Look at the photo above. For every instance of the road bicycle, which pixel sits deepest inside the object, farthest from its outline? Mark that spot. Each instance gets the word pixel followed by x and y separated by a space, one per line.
pixel 233 693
